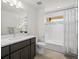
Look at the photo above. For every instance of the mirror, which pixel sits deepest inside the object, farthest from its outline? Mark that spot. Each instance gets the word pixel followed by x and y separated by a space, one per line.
pixel 13 20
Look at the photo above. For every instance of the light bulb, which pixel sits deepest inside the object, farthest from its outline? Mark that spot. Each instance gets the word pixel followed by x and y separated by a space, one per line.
pixel 17 6
pixel 5 1
pixel 58 6
pixel 14 2
pixel 11 4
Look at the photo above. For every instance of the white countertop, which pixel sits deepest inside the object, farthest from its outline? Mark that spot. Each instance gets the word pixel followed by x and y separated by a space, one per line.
pixel 11 39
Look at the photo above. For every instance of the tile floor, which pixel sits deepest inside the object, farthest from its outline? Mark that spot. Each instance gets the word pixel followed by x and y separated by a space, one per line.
pixel 49 54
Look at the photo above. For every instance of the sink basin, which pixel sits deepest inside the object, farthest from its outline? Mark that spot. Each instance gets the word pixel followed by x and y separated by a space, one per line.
pixel 13 36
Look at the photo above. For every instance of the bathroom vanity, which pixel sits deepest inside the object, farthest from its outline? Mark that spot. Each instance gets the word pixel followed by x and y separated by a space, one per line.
pixel 22 49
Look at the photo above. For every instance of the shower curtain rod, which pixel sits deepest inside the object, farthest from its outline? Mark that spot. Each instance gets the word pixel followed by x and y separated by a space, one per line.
pixel 62 9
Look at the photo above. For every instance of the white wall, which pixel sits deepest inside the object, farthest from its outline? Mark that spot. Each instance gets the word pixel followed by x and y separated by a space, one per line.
pixel 41 27
pixel 54 33
pixel 32 19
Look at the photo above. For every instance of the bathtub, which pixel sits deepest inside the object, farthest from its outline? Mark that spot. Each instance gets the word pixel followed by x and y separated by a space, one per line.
pixel 55 46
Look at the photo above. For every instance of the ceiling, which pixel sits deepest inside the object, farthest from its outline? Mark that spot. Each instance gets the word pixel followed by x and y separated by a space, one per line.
pixel 52 4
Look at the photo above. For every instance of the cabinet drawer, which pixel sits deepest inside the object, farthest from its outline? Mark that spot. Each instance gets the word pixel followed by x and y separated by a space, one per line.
pixel 4 51
pixel 19 45
pixel 33 40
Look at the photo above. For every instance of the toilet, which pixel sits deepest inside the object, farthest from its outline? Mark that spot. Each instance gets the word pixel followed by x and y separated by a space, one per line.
pixel 40 47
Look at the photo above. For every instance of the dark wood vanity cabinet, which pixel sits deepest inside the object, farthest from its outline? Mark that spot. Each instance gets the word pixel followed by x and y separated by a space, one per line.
pixel 21 50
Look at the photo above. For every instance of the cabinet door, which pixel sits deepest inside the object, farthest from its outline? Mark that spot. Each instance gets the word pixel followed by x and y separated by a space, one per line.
pixel 7 57
pixel 4 51
pixel 33 51
pixel 15 55
pixel 25 53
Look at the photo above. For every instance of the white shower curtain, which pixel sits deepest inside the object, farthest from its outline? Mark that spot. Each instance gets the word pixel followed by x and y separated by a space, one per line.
pixel 70 31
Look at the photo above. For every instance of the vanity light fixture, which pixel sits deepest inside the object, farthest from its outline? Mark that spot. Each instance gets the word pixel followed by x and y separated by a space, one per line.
pixel 16 3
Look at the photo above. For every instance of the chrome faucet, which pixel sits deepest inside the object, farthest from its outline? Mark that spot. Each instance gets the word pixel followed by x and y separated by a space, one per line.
pixel 11 30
